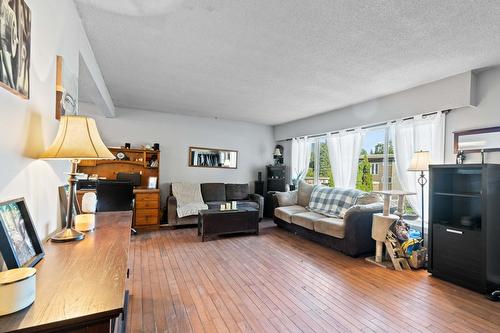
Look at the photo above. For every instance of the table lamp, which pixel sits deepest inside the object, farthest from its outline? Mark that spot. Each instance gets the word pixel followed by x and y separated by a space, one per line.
pixel 420 162
pixel 77 139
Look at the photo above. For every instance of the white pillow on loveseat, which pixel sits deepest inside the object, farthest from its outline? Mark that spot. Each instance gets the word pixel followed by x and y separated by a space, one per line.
pixel 286 198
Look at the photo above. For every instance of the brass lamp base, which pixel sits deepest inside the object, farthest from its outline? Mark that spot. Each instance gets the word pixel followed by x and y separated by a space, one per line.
pixel 67 235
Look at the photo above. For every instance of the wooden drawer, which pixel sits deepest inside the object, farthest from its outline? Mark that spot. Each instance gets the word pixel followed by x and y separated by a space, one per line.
pixel 147 197
pixel 146 216
pixel 143 204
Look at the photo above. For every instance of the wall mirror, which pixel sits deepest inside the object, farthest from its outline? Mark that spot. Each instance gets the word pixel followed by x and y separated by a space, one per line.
pixel 213 158
pixel 487 139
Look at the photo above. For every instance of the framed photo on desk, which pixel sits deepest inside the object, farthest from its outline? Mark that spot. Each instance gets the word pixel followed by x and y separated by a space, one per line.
pixel 152 182
pixel 19 242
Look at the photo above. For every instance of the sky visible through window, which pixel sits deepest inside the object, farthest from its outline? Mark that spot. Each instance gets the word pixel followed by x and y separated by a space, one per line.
pixel 372 138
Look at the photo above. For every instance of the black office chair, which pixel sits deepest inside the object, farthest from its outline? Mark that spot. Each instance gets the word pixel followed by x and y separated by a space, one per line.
pixel 115 195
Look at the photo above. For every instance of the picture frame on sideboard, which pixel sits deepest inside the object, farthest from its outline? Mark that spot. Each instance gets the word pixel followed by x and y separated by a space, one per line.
pixel 20 245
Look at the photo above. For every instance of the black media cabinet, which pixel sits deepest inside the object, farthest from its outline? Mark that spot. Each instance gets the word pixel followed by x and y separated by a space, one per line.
pixel 464 225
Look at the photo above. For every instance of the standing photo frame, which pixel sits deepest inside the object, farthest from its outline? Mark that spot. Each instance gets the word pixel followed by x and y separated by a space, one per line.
pixel 19 242
pixel 152 182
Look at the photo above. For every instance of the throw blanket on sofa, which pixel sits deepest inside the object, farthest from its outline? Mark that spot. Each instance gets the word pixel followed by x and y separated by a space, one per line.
pixel 189 198
pixel 334 201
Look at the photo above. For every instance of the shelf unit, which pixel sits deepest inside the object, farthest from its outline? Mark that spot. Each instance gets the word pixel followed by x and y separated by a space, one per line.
pixel 137 160
pixel 462 195
pixel 147 201
pixel 276 180
pixel 464 224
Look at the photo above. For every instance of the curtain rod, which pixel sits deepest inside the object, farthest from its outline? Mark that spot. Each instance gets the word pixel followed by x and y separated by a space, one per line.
pixel 369 126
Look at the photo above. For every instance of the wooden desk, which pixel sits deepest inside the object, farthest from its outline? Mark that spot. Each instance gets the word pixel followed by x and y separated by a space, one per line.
pixel 80 286
pixel 146 209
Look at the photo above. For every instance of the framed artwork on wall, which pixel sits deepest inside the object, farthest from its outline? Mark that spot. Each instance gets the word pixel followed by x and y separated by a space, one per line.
pixel 15 47
pixel 213 158
pixel 66 90
pixel 19 242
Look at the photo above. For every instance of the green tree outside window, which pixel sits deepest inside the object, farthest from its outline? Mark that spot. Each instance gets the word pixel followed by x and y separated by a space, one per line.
pixel 364 181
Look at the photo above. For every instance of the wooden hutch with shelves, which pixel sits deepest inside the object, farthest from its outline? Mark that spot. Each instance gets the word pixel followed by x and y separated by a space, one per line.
pixel 146 162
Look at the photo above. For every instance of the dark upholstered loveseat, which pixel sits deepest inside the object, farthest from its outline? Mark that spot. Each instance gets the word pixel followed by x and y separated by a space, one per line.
pixel 351 235
pixel 214 194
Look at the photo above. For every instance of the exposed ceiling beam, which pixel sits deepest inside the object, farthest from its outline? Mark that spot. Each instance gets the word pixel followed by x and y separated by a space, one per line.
pixel 95 87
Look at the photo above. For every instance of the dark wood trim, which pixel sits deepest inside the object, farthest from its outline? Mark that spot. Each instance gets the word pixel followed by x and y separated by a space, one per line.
pixel 458 134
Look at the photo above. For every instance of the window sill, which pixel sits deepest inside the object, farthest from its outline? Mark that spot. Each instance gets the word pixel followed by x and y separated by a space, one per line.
pixel 416 224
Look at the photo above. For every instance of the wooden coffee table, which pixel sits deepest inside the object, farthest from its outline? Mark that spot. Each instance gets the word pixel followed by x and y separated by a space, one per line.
pixel 214 222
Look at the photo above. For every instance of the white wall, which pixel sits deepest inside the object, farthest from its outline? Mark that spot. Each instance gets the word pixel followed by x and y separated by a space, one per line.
pixel 449 93
pixel 27 127
pixel 485 114
pixel 176 133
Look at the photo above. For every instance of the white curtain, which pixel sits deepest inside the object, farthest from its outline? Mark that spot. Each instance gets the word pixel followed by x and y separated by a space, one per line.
pixel 301 156
pixel 409 136
pixel 343 150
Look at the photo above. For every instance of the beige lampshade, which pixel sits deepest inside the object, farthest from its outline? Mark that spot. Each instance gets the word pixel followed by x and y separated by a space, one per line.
pixel 420 161
pixel 77 139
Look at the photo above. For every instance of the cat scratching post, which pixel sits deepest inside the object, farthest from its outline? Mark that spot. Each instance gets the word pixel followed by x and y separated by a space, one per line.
pixel 382 223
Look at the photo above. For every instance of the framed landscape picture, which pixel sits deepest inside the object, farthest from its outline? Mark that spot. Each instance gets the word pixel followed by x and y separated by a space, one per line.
pixel 15 47
pixel 19 242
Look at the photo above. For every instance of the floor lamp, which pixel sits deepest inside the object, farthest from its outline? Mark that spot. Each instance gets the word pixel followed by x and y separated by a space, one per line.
pixel 76 140
pixel 420 163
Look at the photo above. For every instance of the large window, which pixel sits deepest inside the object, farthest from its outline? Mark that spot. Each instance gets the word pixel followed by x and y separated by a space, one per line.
pixel 376 168
pixel 311 171
pixel 320 171
pixel 372 161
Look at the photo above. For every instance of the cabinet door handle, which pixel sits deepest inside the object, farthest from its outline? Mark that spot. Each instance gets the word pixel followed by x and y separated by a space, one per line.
pixel 454 231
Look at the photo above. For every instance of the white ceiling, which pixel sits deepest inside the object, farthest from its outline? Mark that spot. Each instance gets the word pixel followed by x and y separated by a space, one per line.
pixel 274 61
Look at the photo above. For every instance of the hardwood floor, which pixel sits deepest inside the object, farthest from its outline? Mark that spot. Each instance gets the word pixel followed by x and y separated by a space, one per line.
pixel 278 282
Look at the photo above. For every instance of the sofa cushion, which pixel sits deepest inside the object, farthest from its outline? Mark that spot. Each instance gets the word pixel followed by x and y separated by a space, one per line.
pixel 247 203
pixel 240 204
pixel 213 192
pixel 304 193
pixel 285 213
pixel 360 209
pixel 332 202
pixel 368 198
pixel 236 192
pixel 286 198
pixel 331 226
pixel 215 204
pixel 306 219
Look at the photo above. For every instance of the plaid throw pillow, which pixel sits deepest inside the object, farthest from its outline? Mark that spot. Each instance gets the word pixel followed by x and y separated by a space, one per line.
pixel 332 202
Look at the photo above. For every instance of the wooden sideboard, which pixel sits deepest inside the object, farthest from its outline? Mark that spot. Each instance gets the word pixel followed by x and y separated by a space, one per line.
pixel 146 208
pixel 80 286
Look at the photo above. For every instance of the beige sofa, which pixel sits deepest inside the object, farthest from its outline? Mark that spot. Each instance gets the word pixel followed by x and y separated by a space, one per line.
pixel 350 234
